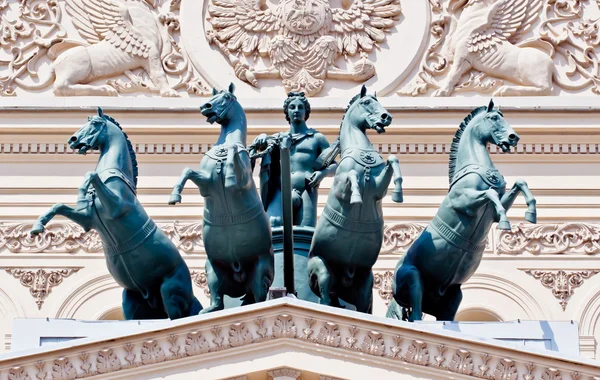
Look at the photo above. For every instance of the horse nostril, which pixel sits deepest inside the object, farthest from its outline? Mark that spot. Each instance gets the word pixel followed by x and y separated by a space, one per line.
pixel 208 106
pixel 72 139
pixel 512 136
pixel 385 116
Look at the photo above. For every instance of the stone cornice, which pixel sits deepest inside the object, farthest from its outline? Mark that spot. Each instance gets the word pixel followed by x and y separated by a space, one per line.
pixel 524 239
pixel 325 331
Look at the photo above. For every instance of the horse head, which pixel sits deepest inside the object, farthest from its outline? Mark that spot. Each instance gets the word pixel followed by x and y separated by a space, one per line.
pixel 219 107
pixel 493 128
pixel 92 135
pixel 366 112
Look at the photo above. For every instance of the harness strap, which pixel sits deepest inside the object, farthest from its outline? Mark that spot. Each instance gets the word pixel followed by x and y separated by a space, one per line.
pixel 452 237
pixel 113 172
pixel 339 220
pixel 229 220
pixel 136 240
pixel 491 176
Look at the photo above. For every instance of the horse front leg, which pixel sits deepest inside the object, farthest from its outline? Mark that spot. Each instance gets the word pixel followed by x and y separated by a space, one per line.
pixel 467 201
pixel 81 216
pixel 509 198
pixel 343 182
pixel 187 174
pixel 242 170
pixel 392 167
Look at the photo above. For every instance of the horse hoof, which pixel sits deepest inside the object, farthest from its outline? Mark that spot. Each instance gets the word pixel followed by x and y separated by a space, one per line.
pixel 175 198
pixel 397 196
pixel 37 228
pixel 531 217
pixel 355 199
pixel 504 225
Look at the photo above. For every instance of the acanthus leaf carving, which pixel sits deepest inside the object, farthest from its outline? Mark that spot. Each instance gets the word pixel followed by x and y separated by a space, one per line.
pixel 301 39
pixel 373 344
pixel 152 352
pixel 530 368
pixel 417 353
pixel 352 339
pixel 86 365
pixel 440 358
pixel 261 330
pixel 329 335
pixel 396 348
pixel 506 370
pixel 562 283
pixel 462 362
pixel 308 331
pixel 18 373
pixel 466 34
pixel 484 367
pixel 551 374
pixel 107 361
pixel 196 344
pixel 130 355
pixel 397 238
pixel 239 335
pixel 40 282
pixel 199 279
pixel 284 327
pixel 63 369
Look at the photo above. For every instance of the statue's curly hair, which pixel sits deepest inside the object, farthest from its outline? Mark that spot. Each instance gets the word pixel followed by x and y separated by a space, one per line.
pixel 296 95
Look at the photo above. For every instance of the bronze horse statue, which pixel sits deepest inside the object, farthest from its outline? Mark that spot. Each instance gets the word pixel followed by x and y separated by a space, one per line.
pixel 139 256
pixel 235 228
pixel 449 250
pixel 349 233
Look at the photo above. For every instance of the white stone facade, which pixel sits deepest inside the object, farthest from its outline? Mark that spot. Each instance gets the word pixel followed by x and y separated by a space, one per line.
pixel 545 272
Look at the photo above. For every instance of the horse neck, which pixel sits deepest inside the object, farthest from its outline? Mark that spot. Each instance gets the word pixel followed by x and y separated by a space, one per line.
pixel 233 130
pixel 114 153
pixel 351 136
pixel 472 149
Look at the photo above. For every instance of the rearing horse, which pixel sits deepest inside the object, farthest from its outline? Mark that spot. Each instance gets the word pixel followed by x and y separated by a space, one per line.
pixel 449 250
pixel 349 233
pixel 235 228
pixel 139 256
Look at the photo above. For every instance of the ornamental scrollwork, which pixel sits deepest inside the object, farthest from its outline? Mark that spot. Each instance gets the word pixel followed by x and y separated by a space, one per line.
pixel 565 238
pixel 562 283
pixel 40 282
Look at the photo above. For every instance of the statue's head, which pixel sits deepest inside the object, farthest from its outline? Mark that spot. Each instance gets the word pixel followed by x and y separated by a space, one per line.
pixel 92 135
pixel 296 107
pixel 219 107
pixel 366 112
pixel 494 128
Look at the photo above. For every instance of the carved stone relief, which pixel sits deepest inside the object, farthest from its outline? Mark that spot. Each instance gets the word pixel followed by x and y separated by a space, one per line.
pixel 510 48
pixel 562 283
pixel 40 282
pixel 97 47
pixel 301 39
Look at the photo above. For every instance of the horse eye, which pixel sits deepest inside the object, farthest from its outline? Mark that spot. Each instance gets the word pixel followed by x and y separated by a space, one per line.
pixel 367 102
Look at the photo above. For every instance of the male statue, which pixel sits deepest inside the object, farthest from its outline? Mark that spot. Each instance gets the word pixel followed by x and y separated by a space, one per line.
pixel 308 146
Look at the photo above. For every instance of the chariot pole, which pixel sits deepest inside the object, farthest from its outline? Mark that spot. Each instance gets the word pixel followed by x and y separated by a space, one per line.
pixel 287 215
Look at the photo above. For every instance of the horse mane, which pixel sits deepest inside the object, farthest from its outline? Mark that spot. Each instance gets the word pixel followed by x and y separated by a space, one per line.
pixel 457 137
pixel 330 154
pixel 132 155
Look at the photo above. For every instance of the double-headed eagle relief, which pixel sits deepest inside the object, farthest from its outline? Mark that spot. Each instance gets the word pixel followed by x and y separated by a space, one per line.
pixel 510 48
pixel 301 38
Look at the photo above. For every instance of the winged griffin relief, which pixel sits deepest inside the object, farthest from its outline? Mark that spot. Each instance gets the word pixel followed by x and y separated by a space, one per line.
pixel 301 38
pixel 510 48
pixel 125 46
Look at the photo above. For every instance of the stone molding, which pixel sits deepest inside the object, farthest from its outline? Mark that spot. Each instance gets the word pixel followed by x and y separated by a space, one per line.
pixel 541 239
pixel 44 148
pixel 562 283
pixel 394 344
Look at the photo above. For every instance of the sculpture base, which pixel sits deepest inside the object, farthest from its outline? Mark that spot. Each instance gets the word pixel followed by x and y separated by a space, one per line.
pixel 302 239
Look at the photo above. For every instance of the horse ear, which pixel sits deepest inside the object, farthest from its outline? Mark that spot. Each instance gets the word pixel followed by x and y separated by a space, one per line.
pixel 231 88
pixel 89 118
pixel 100 112
pixel 215 92
pixel 375 95
pixel 363 91
pixel 491 105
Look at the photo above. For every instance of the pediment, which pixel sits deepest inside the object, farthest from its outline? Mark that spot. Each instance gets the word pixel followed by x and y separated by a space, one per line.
pixel 319 341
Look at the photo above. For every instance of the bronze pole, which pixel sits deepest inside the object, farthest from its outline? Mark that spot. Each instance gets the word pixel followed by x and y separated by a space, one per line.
pixel 287 214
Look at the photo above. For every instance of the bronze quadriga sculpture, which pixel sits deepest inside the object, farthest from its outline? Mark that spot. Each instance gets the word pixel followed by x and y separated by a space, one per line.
pixel 140 257
pixel 235 228
pixel 446 254
pixel 349 233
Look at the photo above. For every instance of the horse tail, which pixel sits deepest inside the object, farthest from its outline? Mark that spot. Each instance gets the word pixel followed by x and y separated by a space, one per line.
pixel 395 311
